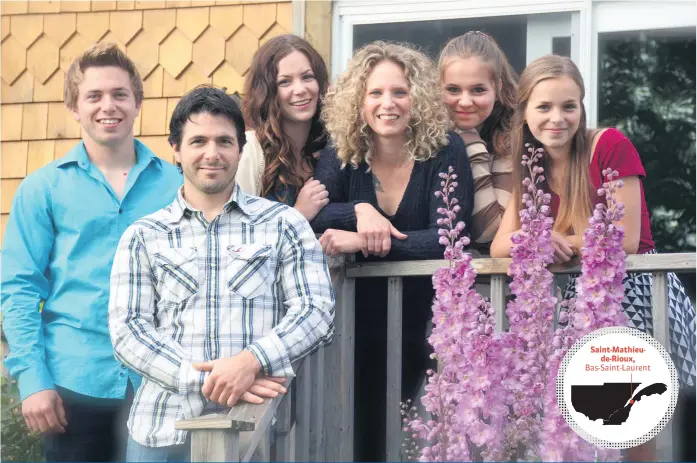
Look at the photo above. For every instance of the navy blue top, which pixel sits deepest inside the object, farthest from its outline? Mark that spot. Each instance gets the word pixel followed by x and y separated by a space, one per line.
pixel 417 213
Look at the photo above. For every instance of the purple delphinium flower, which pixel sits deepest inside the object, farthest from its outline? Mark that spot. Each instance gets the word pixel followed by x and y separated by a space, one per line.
pixel 598 304
pixel 494 396
pixel 464 396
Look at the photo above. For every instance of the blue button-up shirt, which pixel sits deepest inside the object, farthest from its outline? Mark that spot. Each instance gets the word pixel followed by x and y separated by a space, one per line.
pixel 61 237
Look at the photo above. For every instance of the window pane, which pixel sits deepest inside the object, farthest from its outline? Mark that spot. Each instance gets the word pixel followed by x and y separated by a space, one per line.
pixel 431 36
pixel 561 46
pixel 647 90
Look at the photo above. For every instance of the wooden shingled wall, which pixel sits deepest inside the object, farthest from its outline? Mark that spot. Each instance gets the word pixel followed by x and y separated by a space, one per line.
pixel 175 44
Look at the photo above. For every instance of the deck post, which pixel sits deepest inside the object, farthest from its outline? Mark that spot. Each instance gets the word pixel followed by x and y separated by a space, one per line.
pixel 659 296
pixel 394 368
pixel 339 360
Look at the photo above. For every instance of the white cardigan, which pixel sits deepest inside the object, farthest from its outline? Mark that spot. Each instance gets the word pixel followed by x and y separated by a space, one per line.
pixel 251 166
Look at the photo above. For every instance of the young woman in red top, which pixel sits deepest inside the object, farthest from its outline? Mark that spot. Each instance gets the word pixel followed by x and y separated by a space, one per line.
pixel 550 114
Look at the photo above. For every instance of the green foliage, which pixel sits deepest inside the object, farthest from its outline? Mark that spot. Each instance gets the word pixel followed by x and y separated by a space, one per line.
pixel 647 90
pixel 17 443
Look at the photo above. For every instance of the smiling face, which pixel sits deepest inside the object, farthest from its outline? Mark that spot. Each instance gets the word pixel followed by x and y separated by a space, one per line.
pixel 553 112
pixel 209 154
pixel 106 106
pixel 469 91
pixel 298 90
pixel 387 102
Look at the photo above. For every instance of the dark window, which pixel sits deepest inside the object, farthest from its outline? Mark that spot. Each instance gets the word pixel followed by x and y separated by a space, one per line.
pixel 561 46
pixel 647 90
pixel 431 36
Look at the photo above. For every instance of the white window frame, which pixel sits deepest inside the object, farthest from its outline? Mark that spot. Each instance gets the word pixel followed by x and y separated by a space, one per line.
pixel 588 19
pixel 633 15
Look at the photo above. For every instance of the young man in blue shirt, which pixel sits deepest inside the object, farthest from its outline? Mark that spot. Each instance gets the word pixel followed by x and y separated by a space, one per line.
pixel 61 237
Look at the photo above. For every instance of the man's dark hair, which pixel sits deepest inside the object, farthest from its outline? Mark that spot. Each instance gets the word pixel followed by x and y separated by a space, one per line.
pixel 205 99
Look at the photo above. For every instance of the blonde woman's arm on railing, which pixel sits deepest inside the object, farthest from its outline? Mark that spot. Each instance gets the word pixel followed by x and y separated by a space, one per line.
pixel 510 224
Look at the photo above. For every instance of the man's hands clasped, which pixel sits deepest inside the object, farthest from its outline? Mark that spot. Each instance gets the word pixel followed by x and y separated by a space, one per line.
pixel 237 378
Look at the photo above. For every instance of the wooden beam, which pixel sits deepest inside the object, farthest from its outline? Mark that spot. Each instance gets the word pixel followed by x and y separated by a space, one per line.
pixel 642 263
pixel 393 424
pixel 283 427
pixel 214 421
pixel 317 440
pixel 303 411
pixel 215 445
pixel 216 437
pixel 498 300
pixel 339 371
pixel 661 331
pixel 318 28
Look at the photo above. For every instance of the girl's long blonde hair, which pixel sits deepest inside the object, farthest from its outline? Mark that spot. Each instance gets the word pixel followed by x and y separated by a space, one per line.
pixel 575 204
pixel 343 106
pixel 496 128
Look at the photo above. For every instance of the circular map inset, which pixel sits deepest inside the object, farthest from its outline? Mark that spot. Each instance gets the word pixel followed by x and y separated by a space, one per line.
pixel 617 387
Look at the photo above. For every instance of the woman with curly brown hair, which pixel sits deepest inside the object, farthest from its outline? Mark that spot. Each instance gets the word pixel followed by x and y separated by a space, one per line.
pixel 283 95
pixel 391 140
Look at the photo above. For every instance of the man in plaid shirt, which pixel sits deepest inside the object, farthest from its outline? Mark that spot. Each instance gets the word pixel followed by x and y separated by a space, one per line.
pixel 216 295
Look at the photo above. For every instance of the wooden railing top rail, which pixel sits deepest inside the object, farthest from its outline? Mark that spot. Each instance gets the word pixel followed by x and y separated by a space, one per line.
pixel 678 262
pixel 208 444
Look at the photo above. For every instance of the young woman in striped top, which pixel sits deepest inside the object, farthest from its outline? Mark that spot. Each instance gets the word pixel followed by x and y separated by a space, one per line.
pixel 479 88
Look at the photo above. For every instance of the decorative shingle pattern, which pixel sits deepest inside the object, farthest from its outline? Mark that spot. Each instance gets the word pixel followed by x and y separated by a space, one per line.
pixel 176 46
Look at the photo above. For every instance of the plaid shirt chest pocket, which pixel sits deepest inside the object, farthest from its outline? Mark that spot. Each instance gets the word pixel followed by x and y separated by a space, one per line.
pixel 249 271
pixel 177 272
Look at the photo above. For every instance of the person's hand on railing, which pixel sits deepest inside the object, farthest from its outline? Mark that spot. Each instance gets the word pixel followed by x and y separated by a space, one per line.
pixel 43 412
pixel 230 377
pixel 376 230
pixel 337 242
pixel 312 198
pixel 264 387
pixel 563 251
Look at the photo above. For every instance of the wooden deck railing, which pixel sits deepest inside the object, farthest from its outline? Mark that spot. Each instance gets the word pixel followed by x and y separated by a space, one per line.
pixel 322 426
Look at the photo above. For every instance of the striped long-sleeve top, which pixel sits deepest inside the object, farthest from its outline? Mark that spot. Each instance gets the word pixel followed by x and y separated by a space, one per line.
pixel 493 184
pixel 186 290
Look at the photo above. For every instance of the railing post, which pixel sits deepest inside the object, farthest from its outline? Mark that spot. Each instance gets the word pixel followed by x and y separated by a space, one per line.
pixel 215 445
pixel 498 300
pixel 283 426
pixel 303 413
pixel 317 419
pixel 661 324
pixel 215 437
pixel 394 368
pixel 339 361
pixel 227 437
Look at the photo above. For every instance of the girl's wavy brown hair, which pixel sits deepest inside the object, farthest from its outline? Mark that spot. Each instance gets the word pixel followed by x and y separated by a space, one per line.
pixel 576 194
pixel 497 127
pixel 343 107
pixel 262 112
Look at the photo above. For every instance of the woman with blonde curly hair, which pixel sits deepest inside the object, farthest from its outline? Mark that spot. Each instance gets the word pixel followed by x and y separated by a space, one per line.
pixel 283 101
pixel 390 141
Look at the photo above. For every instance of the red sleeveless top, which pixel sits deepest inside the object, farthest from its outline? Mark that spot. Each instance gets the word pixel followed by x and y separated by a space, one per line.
pixel 615 151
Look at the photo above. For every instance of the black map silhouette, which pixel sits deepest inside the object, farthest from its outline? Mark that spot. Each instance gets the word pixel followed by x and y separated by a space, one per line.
pixel 610 402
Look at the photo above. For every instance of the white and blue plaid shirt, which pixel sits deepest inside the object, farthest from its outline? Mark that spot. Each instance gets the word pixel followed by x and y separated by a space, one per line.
pixel 186 290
